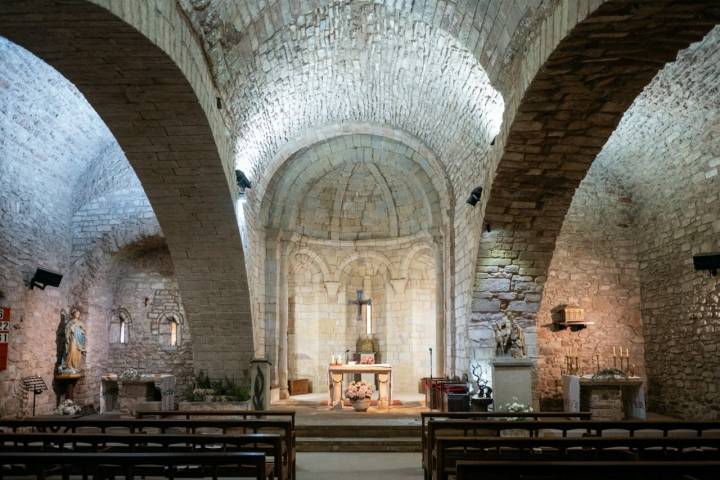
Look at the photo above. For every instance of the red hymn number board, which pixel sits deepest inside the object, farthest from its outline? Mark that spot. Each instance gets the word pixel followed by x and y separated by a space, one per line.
pixel 4 334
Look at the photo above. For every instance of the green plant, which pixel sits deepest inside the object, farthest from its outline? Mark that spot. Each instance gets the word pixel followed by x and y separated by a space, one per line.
pixel 203 381
pixel 218 390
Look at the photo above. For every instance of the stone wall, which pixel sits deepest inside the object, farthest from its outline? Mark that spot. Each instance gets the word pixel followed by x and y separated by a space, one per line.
pixel 666 150
pixel 41 160
pixel 146 291
pixel 68 202
pixel 400 279
pixel 594 266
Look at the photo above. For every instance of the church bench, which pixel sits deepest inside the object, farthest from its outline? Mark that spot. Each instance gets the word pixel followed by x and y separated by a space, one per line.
pixel 270 444
pixel 554 427
pixel 192 426
pixel 588 470
pixel 188 414
pixel 111 464
pixel 425 417
pixel 450 450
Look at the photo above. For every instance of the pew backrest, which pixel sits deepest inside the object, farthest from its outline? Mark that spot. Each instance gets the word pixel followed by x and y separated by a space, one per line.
pixel 587 470
pixel 425 417
pixel 269 444
pixel 245 464
pixel 450 450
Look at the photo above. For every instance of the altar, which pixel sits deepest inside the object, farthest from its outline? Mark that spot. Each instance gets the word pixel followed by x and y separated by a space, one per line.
pixel 609 399
pixel 383 372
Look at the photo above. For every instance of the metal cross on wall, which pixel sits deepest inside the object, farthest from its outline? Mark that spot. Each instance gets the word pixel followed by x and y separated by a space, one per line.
pixel 360 302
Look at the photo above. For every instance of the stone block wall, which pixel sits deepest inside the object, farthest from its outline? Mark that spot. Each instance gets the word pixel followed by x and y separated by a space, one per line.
pixel 146 291
pixel 594 266
pixel 321 322
pixel 667 150
pixel 68 201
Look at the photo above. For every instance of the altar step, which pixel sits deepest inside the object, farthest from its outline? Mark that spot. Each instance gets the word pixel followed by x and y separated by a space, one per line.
pixel 358 438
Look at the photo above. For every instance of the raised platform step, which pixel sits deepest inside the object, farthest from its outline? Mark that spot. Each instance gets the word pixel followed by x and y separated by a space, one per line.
pixel 358 444
pixel 358 429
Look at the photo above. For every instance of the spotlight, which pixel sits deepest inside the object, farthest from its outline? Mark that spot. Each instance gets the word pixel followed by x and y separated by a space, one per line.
pixel 474 197
pixel 242 181
pixel 43 278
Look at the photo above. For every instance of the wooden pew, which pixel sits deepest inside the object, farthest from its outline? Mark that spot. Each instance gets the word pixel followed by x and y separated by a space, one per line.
pixel 452 450
pixel 107 465
pixel 270 444
pixel 535 428
pixel 425 418
pixel 192 426
pixel 586 470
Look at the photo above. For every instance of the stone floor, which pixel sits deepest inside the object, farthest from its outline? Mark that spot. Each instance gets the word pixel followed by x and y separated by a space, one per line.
pixel 359 466
pixel 312 409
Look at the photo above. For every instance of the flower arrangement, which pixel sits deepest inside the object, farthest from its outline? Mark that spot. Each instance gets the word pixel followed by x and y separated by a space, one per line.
pixel 68 407
pixel 515 407
pixel 129 375
pixel 359 391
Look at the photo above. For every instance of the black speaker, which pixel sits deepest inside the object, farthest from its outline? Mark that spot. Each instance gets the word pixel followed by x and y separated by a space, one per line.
pixel 474 197
pixel 43 278
pixel 707 261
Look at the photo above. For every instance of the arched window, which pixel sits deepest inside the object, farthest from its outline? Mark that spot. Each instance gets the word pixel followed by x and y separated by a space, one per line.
pixel 120 327
pixel 169 330
pixel 123 331
pixel 173 331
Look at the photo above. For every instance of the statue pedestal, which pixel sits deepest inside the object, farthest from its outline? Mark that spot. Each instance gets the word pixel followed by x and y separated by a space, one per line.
pixel 512 377
pixel 66 385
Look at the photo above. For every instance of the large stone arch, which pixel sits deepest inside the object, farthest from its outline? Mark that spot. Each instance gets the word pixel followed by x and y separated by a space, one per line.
pixel 568 112
pixel 161 124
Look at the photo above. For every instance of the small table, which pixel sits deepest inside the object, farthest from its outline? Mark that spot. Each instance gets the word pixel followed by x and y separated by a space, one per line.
pixel 608 399
pixel 384 377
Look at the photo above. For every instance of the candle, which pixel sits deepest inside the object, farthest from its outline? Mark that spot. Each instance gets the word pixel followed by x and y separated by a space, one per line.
pixel 613 351
pixel 627 352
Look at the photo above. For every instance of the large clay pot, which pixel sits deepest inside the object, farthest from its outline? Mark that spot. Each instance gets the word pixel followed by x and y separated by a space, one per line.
pixel 361 405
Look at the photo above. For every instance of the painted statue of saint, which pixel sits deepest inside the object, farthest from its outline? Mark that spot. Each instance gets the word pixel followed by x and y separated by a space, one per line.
pixel 75 344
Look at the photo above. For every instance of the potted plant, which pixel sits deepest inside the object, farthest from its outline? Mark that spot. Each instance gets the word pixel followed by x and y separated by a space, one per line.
pixel 359 394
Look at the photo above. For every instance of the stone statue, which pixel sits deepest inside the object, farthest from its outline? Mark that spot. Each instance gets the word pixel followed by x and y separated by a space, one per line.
pixel 75 344
pixel 509 339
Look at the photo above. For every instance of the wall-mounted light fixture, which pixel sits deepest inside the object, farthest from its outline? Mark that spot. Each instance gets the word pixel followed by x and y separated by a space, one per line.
pixel 43 278
pixel 474 197
pixel 707 261
pixel 242 181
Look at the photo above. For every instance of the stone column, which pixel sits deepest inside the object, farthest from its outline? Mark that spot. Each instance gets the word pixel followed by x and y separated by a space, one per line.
pixel 336 379
pixel 282 308
pixel 439 349
pixel 260 384
pixel 384 390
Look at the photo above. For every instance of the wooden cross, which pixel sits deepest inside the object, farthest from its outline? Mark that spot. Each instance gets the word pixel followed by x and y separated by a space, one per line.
pixel 360 302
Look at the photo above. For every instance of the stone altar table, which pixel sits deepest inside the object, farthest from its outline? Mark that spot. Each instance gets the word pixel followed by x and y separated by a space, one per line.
pixel 382 371
pixel 608 399
pixel 127 396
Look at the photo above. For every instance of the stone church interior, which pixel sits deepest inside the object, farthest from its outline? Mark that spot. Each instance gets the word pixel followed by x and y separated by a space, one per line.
pixel 319 239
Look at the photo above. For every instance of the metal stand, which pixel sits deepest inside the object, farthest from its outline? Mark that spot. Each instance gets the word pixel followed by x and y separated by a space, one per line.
pixel 36 385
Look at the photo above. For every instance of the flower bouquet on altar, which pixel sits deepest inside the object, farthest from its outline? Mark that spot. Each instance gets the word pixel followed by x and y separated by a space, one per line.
pixel 515 407
pixel 359 394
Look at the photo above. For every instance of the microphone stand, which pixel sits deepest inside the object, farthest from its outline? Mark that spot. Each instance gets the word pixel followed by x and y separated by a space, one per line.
pixel 431 364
